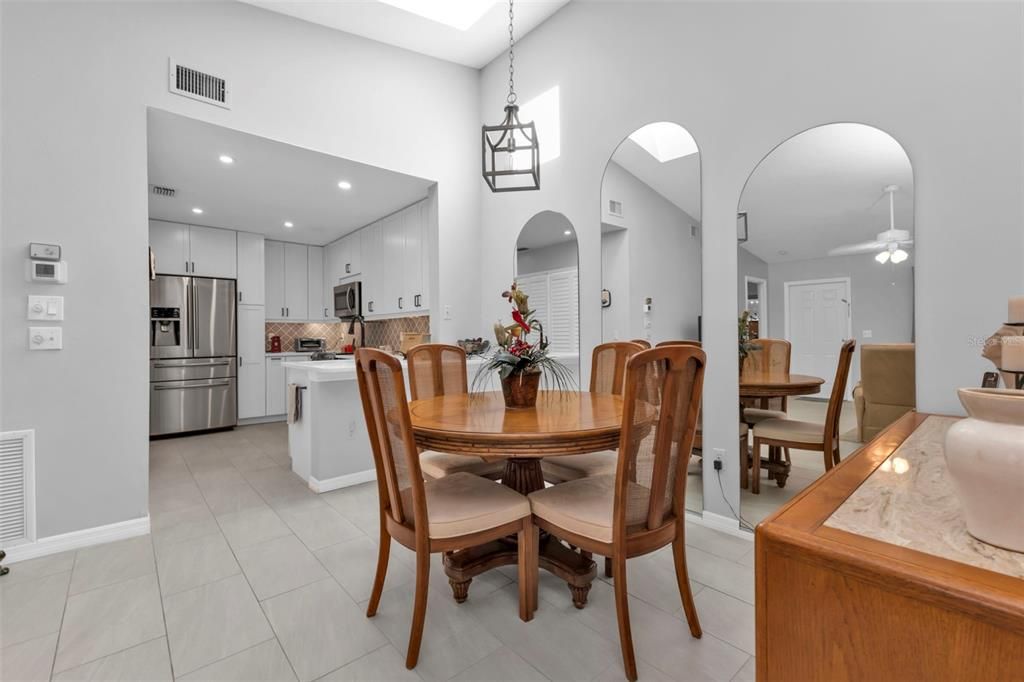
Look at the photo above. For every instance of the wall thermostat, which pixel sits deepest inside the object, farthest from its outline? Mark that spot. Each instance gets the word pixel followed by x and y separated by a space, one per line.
pixel 44 251
pixel 50 272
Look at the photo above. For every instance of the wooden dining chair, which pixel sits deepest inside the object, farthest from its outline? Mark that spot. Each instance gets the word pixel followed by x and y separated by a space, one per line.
pixel 643 343
pixel 679 342
pixel 607 375
pixel 641 507
pixel 448 514
pixel 440 369
pixel 767 356
pixel 801 435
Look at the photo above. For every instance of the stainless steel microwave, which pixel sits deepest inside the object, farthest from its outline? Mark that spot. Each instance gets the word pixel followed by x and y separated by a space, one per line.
pixel 348 300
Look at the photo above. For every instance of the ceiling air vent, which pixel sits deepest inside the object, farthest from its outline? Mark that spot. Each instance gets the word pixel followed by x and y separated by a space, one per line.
pixel 615 208
pixel 193 83
pixel 163 191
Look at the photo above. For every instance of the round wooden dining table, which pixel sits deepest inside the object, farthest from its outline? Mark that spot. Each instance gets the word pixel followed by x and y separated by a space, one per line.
pixel 767 385
pixel 478 424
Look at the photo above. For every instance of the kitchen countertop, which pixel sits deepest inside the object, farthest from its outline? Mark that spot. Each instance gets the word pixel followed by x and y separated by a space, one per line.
pixel 345 369
pixel 909 501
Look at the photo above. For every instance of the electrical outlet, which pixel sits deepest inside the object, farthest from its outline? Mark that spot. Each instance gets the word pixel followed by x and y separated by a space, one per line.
pixel 719 455
pixel 447 312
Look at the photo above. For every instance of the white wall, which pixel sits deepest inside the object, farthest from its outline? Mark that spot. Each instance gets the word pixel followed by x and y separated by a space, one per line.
pixel 664 260
pixel 749 265
pixel 744 77
pixel 552 257
pixel 615 278
pixel 77 80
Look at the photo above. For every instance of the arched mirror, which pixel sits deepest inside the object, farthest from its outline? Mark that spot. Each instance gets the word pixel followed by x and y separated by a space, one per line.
pixel 547 269
pixel 825 255
pixel 651 247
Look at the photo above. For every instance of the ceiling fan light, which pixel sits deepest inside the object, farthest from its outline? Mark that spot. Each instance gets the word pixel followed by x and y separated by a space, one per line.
pixel 899 255
pixel 883 257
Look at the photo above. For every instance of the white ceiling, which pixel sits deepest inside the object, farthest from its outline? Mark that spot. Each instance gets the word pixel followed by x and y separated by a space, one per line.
pixel 677 180
pixel 476 47
pixel 268 183
pixel 823 189
pixel 547 228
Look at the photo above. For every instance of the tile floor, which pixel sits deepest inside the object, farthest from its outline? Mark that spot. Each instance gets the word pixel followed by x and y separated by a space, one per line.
pixel 250 576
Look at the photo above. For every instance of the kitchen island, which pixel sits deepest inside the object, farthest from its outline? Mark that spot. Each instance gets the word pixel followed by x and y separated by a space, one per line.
pixel 328 444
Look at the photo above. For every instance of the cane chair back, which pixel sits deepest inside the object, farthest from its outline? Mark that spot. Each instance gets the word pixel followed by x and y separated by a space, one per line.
pixel 608 366
pixel 436 369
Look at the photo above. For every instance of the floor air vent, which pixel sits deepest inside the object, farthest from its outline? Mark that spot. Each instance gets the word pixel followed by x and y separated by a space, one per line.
pixel 17 488
pixel 193 83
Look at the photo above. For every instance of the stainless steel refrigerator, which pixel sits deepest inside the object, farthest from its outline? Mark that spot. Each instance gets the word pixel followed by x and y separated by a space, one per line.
pixel 192 351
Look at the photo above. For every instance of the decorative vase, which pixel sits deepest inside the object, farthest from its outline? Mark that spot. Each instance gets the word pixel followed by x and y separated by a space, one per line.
pixel 985 456
pixel 520 389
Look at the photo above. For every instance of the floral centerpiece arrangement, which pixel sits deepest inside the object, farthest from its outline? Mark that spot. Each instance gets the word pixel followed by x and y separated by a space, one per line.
pixel 520 361
pixel 746 343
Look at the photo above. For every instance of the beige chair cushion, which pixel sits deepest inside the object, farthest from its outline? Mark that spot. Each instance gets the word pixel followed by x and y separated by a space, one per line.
pixel 572 467
pixel 441 464
pixel 790 429
pixel 462 503
pixel 755 415
pixel 585 506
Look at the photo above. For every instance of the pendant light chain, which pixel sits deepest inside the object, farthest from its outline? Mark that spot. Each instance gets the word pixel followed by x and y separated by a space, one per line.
pixel 511 99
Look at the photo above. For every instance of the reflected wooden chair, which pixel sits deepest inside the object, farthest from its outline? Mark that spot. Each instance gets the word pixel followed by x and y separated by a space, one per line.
pixel 769 355
pixel 607 375
pixel 643 343
pixel 801 435
pixel 439 369
pixel 679 342
pixel 641 508
pixel 448 514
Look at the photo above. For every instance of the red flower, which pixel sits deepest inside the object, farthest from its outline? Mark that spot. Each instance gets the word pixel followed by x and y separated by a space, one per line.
pixel 520 320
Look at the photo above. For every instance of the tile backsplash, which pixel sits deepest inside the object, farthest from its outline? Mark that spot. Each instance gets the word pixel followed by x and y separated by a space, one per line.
pixel 378 332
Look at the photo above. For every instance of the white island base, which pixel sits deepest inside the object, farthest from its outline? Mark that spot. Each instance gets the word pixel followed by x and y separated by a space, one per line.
pixel 328 444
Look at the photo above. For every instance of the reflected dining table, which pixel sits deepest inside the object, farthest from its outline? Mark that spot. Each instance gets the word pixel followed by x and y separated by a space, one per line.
pixel 478 424
pixel 776 384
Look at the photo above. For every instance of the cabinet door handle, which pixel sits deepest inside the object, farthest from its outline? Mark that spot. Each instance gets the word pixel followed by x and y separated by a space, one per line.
pixel 369 306
pixel 348 268
pixel 282 312
pixel 186 266
pixel 325 312
pixel 416 301
pixel 193 266
pixel 400 306
pixel 287 312
pixel 239 296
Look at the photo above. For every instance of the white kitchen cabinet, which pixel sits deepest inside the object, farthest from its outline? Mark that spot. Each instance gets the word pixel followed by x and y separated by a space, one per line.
pixel 274 278
pixel 352 251
pixel 413 249
pixel 426 247
pixel 315 284
pixel 251 269
pixel 371 245
pixel 390 262
pixel 277 383
pixel 169 242
pixel 193 250
pixel 296 281
pixel 252 366
pixel 213 252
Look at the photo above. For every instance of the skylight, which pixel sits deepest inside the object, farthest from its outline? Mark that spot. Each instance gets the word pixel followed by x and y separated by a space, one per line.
pixel 460 14
pixel 665 141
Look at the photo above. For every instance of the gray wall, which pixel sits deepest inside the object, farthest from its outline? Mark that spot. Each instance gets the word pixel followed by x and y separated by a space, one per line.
pixel 664 259
pixel 890 65
pixel 748 265
pixel 549 258
pixel 77 79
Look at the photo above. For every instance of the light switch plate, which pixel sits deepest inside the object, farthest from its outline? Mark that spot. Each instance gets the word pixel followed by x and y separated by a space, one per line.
pixel 866 334
pixel 45 338
pixel 46 308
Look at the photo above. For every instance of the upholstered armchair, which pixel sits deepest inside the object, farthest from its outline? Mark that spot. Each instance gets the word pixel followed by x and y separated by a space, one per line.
pixel 887 388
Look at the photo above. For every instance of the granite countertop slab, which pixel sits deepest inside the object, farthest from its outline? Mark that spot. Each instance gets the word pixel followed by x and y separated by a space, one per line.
pixel 909 501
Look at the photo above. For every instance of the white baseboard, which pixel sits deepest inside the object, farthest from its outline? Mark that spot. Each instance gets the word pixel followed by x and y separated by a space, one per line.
pixel 78 539
pixel 342 481
pixel 262 420
pixel 724 524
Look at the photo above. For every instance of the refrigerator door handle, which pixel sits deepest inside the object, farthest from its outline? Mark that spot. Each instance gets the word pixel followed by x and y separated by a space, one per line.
pixel 159 387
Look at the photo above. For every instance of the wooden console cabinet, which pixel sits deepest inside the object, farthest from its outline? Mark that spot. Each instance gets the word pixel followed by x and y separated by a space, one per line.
pixel 839 605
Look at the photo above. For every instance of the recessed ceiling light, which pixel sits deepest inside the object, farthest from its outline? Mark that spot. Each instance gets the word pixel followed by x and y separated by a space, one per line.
pixel 460 14
pixel 567 233
pixel 783 253
pixel 224 158
pixel 289 223
pixel 197 210
pixel 345 184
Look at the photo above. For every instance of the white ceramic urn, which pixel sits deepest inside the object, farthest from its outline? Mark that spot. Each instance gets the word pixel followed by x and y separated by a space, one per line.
pixel 985 457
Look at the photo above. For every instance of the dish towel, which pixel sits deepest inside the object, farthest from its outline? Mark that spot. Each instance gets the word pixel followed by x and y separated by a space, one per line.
pixel 294 403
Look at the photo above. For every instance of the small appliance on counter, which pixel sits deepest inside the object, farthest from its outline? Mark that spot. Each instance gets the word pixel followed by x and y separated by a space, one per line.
pixel 309 345
pixel 409 340
pixel 275 343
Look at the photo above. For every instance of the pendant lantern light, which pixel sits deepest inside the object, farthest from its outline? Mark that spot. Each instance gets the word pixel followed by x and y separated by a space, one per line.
pixel 511 155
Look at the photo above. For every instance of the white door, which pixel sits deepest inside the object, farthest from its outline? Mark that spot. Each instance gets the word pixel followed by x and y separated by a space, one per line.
pixel 251 272
pixel 315 284
pixel 274 280
pixel 412 265
pixel 169 242
pixel 213 252
pixel 389 264
pixel 371 247
pixel 276 389
pixel 296 281
pixel 426 254
pixel 817 323
pixel 252 366
pixel 564 311
pixel 353 251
